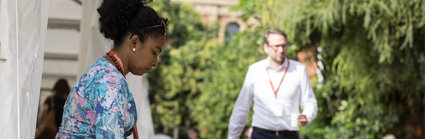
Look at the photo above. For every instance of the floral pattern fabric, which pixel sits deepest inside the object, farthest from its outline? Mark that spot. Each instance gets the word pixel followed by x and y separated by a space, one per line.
pixel 99 105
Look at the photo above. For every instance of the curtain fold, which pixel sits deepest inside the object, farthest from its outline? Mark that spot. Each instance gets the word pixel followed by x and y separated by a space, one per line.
pixel 23 33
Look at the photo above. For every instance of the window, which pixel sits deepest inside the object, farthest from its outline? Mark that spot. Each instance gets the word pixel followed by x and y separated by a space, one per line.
pixel 231 31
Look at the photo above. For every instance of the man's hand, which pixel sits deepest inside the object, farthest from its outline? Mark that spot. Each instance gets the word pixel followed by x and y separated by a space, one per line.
pixel 302 120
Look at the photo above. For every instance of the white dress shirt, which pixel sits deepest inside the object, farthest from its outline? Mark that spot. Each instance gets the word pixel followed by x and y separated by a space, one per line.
pixel 273 112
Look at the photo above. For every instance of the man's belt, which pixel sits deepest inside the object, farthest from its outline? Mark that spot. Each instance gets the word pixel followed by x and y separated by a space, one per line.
pixel 278 133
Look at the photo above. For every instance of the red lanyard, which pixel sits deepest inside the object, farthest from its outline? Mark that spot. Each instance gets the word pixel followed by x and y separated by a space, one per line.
pixel 118 64
pixel 135 134
pixel 270 81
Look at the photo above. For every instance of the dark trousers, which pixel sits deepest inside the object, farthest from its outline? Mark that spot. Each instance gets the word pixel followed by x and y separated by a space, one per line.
pixel 258 134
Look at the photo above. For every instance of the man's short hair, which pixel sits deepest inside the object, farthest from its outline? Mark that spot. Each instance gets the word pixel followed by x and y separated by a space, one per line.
pixel 273 31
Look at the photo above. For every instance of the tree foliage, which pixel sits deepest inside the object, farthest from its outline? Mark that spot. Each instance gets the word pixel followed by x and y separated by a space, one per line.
pixel 174 82
pixel 184 23
pixel 373 52
pixel 373 56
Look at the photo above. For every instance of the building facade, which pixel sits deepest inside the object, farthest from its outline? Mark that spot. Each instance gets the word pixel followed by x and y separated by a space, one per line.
pixel 219 12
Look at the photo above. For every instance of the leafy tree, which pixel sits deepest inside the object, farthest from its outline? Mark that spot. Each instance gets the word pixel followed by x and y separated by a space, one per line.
pixel 372 51
pixel 176 82
pixel 374 60
pixel 184 22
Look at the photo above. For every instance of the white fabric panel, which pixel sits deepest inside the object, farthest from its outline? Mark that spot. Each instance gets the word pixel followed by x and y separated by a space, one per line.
pixel 93 46
pixel 139 86
pixel 23 31
pixel 8 70
pixel 32 27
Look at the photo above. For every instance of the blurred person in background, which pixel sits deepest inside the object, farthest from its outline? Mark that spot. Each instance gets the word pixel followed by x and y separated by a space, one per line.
pixel 160 133
pixel 50 115
pixel 279 87
pixel 100 105
pixel 193 133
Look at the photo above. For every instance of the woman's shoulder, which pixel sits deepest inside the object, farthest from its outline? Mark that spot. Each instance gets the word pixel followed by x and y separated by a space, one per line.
pixel 102 73
pixel 102 65
pixel 102 77
pixel 102 68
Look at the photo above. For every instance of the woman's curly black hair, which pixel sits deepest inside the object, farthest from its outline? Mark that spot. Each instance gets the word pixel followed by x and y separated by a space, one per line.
pixel 119 18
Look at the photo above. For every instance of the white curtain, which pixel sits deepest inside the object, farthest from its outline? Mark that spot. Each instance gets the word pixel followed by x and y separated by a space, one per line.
pixel 93 46
pixel 23 25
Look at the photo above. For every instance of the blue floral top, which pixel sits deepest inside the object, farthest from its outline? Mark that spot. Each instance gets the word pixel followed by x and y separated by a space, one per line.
pixel 100 105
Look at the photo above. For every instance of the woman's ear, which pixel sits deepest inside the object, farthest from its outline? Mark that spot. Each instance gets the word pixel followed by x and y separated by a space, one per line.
pixel 134 38
pixel 133 42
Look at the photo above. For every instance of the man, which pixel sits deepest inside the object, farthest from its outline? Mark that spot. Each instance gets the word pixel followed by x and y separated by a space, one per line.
pixel 279 87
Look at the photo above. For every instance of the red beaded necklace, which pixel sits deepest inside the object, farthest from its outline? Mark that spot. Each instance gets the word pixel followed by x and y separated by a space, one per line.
pixel 117 61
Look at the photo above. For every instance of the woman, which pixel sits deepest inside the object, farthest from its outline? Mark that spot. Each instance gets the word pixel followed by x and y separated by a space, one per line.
pixel 100 104
pixel 50 115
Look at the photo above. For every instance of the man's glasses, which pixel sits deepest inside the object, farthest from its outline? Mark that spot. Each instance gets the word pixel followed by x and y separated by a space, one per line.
pixel 163 26
pixel 276 47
